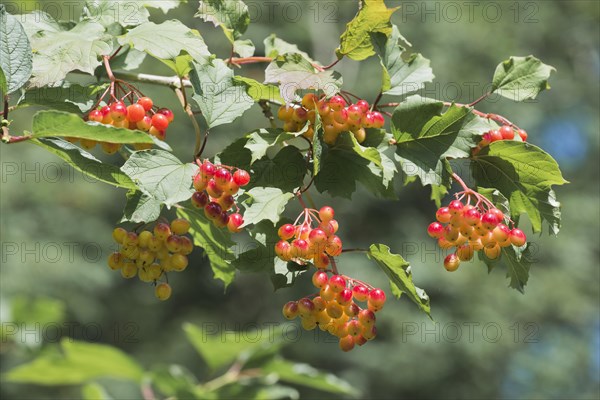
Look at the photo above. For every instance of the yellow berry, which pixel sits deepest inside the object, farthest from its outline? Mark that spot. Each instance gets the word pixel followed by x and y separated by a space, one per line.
pixel 155 271
pixel 129 270
pixel 178 262
pixel 119 234
pixel 163 291
pixel 144 275
pixel 115 261
pixel 145 238
pixel 180 226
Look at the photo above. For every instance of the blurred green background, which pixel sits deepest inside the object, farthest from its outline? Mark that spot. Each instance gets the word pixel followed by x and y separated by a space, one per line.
pixel 487 341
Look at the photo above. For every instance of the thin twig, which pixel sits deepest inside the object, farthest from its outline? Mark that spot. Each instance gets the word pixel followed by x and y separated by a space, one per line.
pixel 199 146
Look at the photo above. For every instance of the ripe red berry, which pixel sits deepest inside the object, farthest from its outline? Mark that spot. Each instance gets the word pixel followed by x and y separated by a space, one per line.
pixel 499 214
pixel 167 113
pixel 517 237
pixel 286 231
pixel 471 216
pixel 160 122
pixel 146 102
pixel 355 113
pixel 207 169
pixel 235 221
pixel 118 111
pixel 523 134
pixel 241 177
pixel 299 248
pixel 366 317
pixel 213 190
pixel 337 283
pixel 290 310
pixel 212 210
pixel 507 132
pixel 337 103
pixel 364 106
pixel 317 236
pixel 455 207
pixel 378 120
pixel 222 177
pixel 333 247
pixel 305 306
pixel 376 299
pixel 283 250
pixel 347 343
pixel 368 120
pixel 489 220
pixel 495 136
pixel 144 124
pixel 435 230
pixel 320 279
pixel 135 113
pixel 360 293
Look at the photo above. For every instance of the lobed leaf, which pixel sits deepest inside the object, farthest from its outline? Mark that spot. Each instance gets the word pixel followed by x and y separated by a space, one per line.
pixel 521 78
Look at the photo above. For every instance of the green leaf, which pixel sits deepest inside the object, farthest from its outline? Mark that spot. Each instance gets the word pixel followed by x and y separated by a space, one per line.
pixel 356 41
pixel 399 272
pixel 308 376
pixel 94 391
pixel 181 65
pixel 216 243
pixel 175 381
pixel 293 72
pixel 244 47
pixel 38 311
pixel 166 40
pixel 77 363
pixel 59 52
pixel 437 194
pixel 69 97
pixel 161 176
pixel 317 145
pixel 83 161
pixel 259 255
pixel 347 162
pixel 231 15
pixel 62 124
pixel 140 208
pixel 285 171
pixel 521 78
pixel 275 47
pixel 219 350
pixel 259 91
pixel 261 140
pixel 108 12
pixel 400 75
pixel 524 174
pixel 265 203
pixel 37 23
pixel 217 94
pixel 517 261
pixel 129 60
pixel 425 138
pixel 15 53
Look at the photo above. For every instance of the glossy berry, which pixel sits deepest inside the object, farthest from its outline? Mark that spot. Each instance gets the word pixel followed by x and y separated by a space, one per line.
pixel 378 120
pixel 376 299
pixel 160 122
pixel 451 262
pixel 235 222
pixel 135 113
pixel 96 116
pixel 522 134
pixel 290 310
pixel 517 237
pixel 455 207
pixel 337 283
pixel 435 230
pixel 200 199
pixel 346 343
pixel 443 215
pixel 145 102
pixel 212 210
pixel 320 279
pixel 167 113
pixel 364 105
pixel 118 111
pixel 489 220
pixel 507 132
pixel 360 293
pixel 337 103
pixel 286 231
pixel 326 213
pixel 180 226
pixel 241 177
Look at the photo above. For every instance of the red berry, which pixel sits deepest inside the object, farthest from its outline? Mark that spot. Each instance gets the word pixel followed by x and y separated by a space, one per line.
pixel 235 221
pixel 222 177
pixel 471 216
pixel 317 236
pixel 305 307
pixel 160 122
pixel 337 103
pixel 366 318
pixel 167 113
pixel 507 132
pixel 241 177
pixel 360 293
pixel 146 102
pixel 200 199
pixel 435 230
pixel 455 207
pixel 118 111
pixel 451 262
pixel 344 297
pixel 347 343
pixel 320 279
pixel 96 115
pixel 376 299
pixel 144 124
pixel 212 210
pixel 299 248
pixel 368 120
pixel 378 120
pixel 489 220
pixel 207 168
pixel 494 136
pixel 290 310
pixel 135 113
pixel 213 190
pixel 355 113
pixel 326 213
pixel 364 106
pixel 286 231
pixel 499 214
pixel 517 237
pixel 443 215
pixel 283 250
pixel 523 134
pixel 337 283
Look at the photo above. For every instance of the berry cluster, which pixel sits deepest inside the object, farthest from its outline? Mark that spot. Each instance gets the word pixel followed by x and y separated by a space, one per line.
pixel 472 228
pixel 506 132
pixel 140 116
pixel 308 243
pixel 335 114
pixel 215 188
pixel 150 255
pixel 334 309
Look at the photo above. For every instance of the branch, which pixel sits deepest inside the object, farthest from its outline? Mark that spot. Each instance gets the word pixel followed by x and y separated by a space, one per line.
pixel 171 81
pixel 264 105
pixel 199 146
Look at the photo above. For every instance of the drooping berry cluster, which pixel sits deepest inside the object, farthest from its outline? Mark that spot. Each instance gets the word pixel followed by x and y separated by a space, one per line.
pixel 150 255
pixel 471 228
pixel 336 117
pixel 216 188
pixel 334 309
pixel 312 240
pixel 140 116
pixel 506 132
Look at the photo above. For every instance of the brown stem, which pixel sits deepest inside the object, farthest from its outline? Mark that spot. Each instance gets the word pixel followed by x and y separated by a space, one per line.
pixel 485 95
pixel 333 265
pixel 355 250
pixel 301 200
pixel 376 100
pixel 199 146
pixel 332 64
pixel 248 60
pixel 461 182
pixel 116 52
